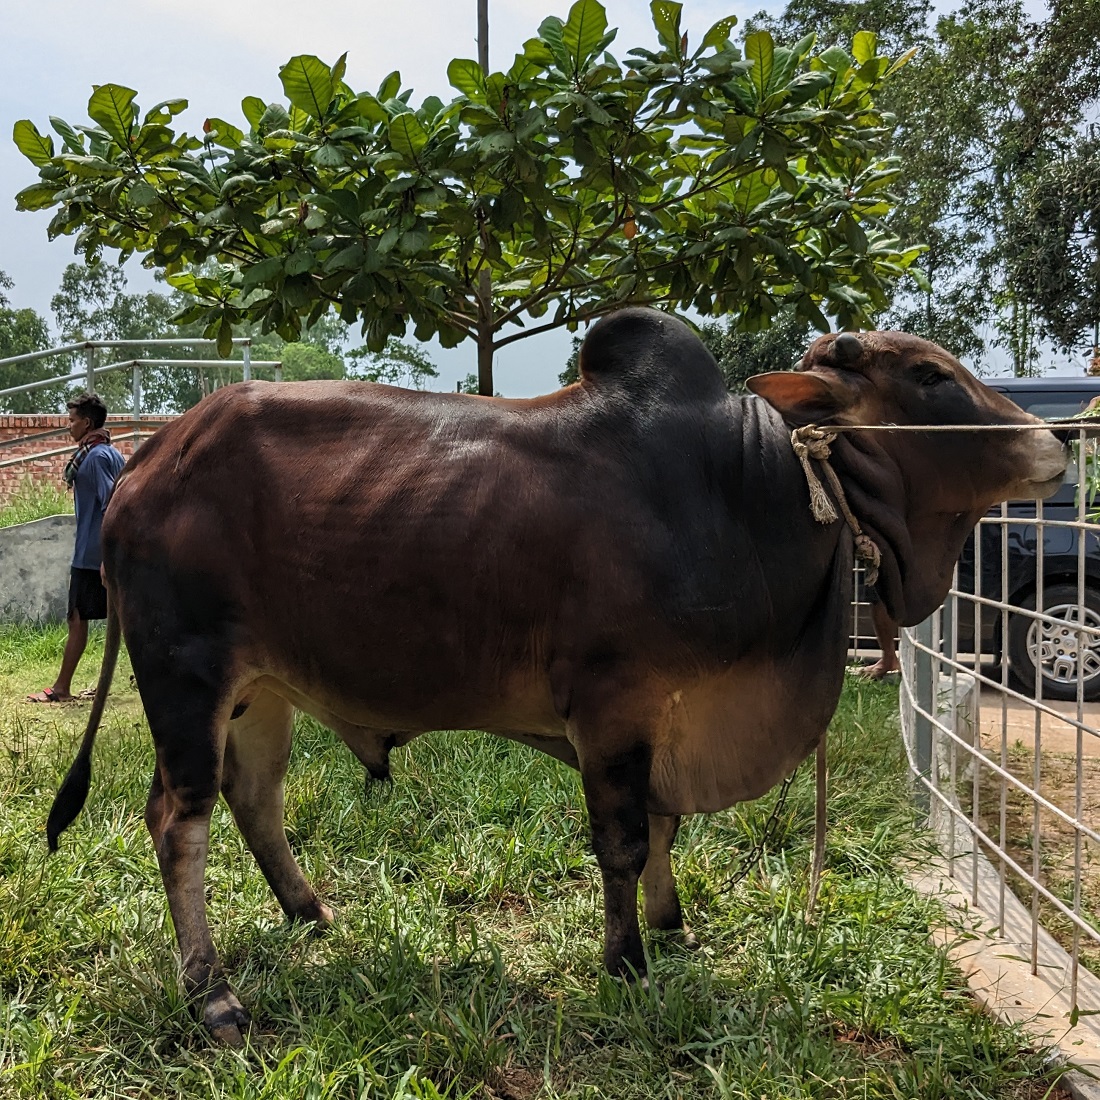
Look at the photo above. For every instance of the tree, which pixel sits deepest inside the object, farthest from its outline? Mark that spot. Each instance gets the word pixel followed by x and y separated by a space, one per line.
pixel 1050 243
pixel 726 179
pixel 21 332
pixel 999 169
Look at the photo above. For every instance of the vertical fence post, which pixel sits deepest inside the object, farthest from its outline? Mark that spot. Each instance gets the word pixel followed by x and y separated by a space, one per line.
pixel 278 372
pixel 89 364
pixel 246 367
pixel 925 693
pixel 137 403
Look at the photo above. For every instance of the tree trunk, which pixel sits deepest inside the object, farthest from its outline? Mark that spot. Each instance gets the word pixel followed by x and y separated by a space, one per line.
pixel 485 279
pixel 485 333
pixel 483 35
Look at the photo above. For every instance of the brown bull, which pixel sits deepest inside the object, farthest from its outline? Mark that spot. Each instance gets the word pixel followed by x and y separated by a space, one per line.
pixel 624 574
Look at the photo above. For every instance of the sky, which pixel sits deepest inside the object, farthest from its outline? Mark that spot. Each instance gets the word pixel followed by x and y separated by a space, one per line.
pixel 216 52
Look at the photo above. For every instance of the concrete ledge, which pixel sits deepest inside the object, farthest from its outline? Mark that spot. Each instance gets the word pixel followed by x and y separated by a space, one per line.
pixel 35 559
pixel 997 964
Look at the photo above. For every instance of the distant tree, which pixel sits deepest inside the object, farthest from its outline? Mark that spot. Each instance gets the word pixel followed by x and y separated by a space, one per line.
pixel 400 363
pixel 93 303
pixel 23 331
pixel 572 372
pixel 740 355
pixel 470 384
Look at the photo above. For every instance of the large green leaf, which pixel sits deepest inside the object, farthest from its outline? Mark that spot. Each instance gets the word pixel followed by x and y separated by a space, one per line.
pixel 36 147
pixel 583 32
pixel 720 31
pixel 308 84
pixel 666 18
pixel 253 108
pixel 223 133
pixel 36 197
pixel 760 50
pixel 468 78
pixel 407 136
pixel 112 106
pixel 73 139
pixel 863 46
pixel 165 111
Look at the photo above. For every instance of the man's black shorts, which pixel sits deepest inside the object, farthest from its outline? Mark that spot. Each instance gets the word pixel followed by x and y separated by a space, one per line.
pixel 87 596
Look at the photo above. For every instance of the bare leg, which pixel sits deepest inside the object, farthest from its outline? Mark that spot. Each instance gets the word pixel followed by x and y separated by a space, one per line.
pixel 257 752
pixel 75 644
pixel 886 631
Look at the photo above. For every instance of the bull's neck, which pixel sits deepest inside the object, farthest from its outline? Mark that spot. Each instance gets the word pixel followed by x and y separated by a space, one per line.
pixel 801 568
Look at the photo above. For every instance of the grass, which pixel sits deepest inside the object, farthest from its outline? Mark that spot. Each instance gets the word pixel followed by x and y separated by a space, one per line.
pixel 465 958
pixel 35 500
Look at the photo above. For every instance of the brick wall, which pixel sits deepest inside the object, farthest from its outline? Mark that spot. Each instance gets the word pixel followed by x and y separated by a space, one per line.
pixel 44 469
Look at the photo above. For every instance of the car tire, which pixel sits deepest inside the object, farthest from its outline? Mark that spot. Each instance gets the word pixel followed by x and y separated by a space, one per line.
pixel 1055 645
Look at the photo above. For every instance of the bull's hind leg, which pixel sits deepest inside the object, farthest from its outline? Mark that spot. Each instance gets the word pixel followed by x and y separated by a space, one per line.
pixel 662 902
pixel 257 752
pixel 185 788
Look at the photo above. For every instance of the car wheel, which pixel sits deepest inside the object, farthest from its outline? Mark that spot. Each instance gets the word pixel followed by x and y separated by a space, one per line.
pixel 1054 645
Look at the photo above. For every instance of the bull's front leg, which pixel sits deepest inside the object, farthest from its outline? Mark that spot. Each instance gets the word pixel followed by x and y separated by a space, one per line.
pixel 615 773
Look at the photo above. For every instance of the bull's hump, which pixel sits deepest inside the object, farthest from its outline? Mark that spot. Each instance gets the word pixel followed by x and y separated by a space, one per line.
pixel 650 352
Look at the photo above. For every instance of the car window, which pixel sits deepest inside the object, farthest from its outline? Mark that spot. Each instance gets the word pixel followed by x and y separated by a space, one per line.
pixel 1058 408
pixel 1050 406
pixel 1053 406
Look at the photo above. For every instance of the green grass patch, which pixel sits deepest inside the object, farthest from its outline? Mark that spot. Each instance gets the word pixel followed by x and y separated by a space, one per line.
pixel 465 961
pixel 35 500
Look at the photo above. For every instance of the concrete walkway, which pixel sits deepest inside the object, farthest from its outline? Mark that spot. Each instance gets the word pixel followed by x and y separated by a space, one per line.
pixel 1019 719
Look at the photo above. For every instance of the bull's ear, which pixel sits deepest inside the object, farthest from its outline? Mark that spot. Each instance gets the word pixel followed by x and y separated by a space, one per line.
pixel 803 397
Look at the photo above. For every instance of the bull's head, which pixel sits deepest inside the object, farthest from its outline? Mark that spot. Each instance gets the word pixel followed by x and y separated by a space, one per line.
pixel 917 494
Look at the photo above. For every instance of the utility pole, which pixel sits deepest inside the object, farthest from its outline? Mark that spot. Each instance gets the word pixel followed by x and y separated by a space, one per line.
pixel 485 279
pixel 483 34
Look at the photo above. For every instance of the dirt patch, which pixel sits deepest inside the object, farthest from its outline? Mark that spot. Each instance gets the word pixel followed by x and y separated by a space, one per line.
pixel 513 1083
pixel 1041 841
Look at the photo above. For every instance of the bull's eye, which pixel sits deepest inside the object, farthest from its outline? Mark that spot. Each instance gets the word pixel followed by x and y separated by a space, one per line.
pixel 934 378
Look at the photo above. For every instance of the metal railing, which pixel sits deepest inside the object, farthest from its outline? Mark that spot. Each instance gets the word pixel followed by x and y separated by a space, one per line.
pixel 1000 703
pixel 137 428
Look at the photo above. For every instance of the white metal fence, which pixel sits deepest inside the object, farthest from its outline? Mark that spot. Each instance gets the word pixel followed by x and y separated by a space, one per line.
pixel 141 424
pixel 1000 701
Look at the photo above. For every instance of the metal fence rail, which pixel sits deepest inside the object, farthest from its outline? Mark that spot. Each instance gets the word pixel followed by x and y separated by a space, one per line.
pixel 1003 743
pixel 140 423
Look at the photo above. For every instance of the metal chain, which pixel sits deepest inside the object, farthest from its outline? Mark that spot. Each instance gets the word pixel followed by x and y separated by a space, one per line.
pixel 756 853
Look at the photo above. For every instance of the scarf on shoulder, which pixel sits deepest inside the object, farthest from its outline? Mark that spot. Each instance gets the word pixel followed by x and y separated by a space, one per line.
pixel 92 439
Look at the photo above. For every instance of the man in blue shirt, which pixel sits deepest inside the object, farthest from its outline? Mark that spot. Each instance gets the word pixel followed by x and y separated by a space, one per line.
pixel 90 473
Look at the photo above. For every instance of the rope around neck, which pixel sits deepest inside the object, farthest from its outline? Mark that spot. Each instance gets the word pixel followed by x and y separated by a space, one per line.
pixel 812 442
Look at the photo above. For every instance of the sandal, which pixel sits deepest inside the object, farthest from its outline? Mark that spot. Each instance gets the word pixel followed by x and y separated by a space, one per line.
pixel 48 695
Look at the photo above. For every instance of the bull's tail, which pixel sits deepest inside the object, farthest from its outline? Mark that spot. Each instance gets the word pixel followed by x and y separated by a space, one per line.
pixel 71 797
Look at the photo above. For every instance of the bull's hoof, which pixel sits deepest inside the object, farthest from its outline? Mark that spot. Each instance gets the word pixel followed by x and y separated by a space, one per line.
pixel 226 1018
pixel 315 913
pixel 681 937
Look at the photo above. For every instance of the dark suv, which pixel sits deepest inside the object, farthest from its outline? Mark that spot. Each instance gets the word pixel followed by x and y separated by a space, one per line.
pixel 1051 646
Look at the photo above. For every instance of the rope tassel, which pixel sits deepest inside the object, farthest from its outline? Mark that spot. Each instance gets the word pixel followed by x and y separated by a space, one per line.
pixel 812 442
